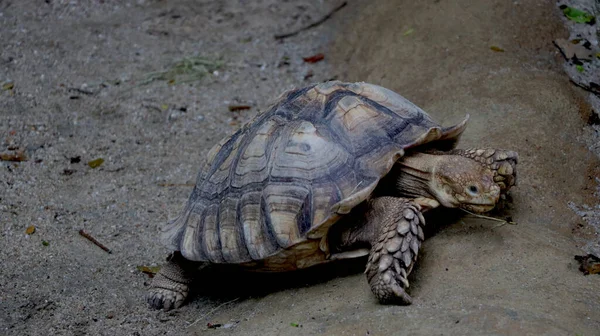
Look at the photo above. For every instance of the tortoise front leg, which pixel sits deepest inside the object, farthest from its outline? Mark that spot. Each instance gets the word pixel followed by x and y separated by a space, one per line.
pixel 170 286
pixel 394 247
pixel 502 162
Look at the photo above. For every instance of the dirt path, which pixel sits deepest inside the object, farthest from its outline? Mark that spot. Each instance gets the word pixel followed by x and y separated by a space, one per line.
pixel 79 71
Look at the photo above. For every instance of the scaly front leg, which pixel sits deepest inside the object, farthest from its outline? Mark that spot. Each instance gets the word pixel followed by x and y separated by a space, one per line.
pixel 399 234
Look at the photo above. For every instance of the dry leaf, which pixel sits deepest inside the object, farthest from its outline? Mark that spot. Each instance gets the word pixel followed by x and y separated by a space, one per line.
pixel 8 86
pixel 150 270
pixel 30 230
pixel 589 264
pixel 96 163
pixel 17 156
pixel 497 49
pixel 314 59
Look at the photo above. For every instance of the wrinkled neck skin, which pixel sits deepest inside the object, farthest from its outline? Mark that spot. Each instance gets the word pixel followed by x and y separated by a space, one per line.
pixel 416 176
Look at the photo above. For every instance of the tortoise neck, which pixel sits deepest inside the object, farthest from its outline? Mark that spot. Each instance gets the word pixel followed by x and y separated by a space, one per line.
pixel 416 174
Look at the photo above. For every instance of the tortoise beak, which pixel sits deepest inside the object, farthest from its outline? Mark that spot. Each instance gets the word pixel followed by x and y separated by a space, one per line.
pixel 478 208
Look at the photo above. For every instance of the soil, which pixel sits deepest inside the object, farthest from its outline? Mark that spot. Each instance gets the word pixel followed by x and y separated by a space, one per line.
pixel 80 81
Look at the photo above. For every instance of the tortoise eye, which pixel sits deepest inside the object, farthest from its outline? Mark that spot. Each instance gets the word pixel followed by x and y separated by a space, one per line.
pixel 473 189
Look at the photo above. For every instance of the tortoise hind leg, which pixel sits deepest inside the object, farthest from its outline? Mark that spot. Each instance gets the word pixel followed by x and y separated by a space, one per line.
pixel 398 236
pixel 170 286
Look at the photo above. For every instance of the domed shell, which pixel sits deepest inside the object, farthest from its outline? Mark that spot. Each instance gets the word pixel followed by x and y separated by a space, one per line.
pixel 268 194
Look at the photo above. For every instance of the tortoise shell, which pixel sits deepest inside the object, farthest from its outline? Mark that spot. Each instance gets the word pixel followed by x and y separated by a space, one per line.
pixel 268 194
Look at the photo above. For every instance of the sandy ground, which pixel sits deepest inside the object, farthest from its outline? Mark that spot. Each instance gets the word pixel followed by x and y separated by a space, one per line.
pixel 80 91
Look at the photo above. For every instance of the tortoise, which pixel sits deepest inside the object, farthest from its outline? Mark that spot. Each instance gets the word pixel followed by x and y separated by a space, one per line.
pixel 330 171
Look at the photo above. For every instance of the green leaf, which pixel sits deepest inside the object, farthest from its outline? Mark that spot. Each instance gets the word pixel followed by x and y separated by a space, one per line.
pixel 45 243
pixel 408 32
pixel 577 15
pixel 579 68
pixel 294 324
pixel 96 163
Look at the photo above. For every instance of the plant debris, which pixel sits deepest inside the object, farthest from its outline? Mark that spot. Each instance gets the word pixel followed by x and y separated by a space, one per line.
pixel 149 270
pixel 297 325
pixel 176 184
pixel 189 69
pixel 308 75
pixel 213 325
pixel 589 264
pixel 408 32
pixel 210 312
pixel 314 59
pixel 220 325
pixel 8 86
pixel 45 243
pixel 15 156
pixel 82 91
pixel 234 108
pixel 93 240
pixel 30 230
pixel 314 24
pixel 579 67
pixel 577 15
pixel 96 163
pixel 496 49
pixel 68 171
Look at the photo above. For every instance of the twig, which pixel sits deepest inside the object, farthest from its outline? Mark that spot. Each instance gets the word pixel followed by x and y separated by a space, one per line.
pixel 212 311
pixel 176 185
pixel 560 50
pixel 590 88
pixel 504 222
pixel 312 25
pixel 93 240
pixel 82 91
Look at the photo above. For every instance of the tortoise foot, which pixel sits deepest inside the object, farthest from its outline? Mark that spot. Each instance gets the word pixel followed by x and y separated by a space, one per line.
pixel 166 299
pixel 170 286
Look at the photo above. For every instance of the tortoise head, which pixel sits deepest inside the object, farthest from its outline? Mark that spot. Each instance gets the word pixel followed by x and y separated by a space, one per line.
pixel 460 182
